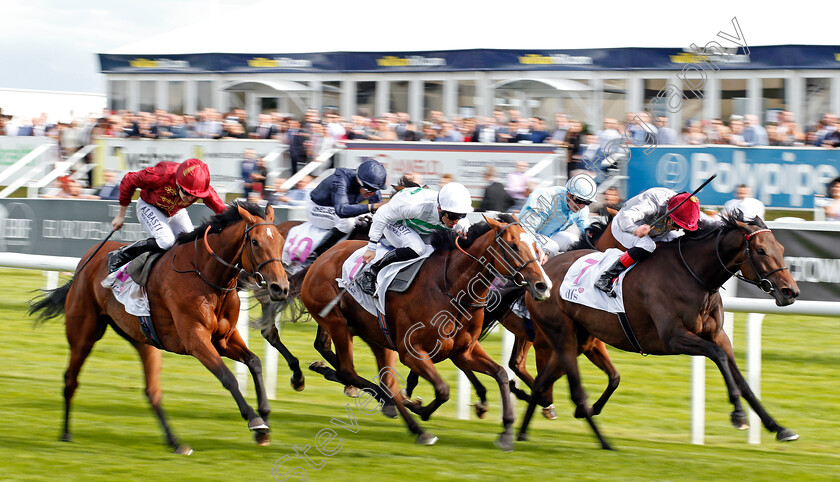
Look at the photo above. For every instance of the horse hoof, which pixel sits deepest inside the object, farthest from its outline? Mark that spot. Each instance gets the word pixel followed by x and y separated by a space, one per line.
pixel 257 423
pixel 739 421
pixel 426 438
pixel 505 442
pixel 298 384
pixel 389 410
pixel 262 437
pixel 523 437
pixel 786 435
pixel 314 366
pixel 481 409
pixel 183 450
pixel 549 412
pixel 351 391
pixel 580 412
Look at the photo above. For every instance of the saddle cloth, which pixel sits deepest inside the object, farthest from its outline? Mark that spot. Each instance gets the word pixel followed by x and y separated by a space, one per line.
pixel 126 291
pixel 302 239
pixel 579 283
pixel 353 265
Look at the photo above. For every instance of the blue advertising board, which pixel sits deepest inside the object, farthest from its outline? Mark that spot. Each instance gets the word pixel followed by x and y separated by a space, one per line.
pixel 780 177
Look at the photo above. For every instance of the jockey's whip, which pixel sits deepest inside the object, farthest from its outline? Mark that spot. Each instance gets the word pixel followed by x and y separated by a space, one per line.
pixel 323 313
pixel 706 182
pixel 97 250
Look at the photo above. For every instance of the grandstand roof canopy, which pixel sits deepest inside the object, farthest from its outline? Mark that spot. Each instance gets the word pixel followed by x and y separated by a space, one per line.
pixel 433 25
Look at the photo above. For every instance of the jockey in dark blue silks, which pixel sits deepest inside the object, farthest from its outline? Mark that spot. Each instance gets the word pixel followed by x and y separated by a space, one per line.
pixel 334 204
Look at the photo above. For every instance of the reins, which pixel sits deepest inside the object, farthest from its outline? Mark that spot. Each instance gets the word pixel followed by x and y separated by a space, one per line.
pixel 763 283
pixel 238 266
pixel 485 265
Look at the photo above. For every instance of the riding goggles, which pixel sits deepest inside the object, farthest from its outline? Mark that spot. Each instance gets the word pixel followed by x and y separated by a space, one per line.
pixel 577 200
pixel 454 216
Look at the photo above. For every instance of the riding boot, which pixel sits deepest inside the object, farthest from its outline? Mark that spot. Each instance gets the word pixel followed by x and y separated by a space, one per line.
pixel 605 282
pixel 125 254
pixel 328 242
pixel 632 255
pixel 367 278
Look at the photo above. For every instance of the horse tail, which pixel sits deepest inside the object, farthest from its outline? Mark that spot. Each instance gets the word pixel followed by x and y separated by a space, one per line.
pixel 50 303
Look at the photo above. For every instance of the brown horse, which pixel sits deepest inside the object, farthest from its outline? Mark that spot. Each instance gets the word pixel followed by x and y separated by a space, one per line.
pixel 194 307
pixel 421 319
pixel 271 310
pixel 498 309
pixel 668 299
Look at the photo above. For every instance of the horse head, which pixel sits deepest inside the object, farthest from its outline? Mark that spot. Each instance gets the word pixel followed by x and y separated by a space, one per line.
pixel 261 254
pixel 516 257
pixel 764 265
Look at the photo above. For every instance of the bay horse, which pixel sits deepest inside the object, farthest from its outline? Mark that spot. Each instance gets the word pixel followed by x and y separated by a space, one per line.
pixel 668 299
pixel 425 329
pixel 271 310
pixel 194 307
pixel 498 310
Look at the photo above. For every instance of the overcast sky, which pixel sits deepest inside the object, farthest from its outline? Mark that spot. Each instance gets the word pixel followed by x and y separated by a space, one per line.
pixel 52 44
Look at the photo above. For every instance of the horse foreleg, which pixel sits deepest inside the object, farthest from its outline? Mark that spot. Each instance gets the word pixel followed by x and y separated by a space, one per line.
pixel 424 367
pixel 237 349
pixel 322 346
pixel 481 392
pixel 476 359
pixel 739 420
pixel 599 357
pixel 687 343
pixel 560 331
pixel 519 364
pixel 151 358
pixel 273 337
pixel 199 346
pixel 542 355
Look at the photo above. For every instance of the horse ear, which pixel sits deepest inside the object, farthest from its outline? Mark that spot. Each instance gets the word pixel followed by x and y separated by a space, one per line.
pixel 246 216
pixel 269 214
pixel 492 222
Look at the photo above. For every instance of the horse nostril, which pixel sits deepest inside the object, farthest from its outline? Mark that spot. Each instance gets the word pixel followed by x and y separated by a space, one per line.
pixel 790 293
pixel 276 292
pixel 540 286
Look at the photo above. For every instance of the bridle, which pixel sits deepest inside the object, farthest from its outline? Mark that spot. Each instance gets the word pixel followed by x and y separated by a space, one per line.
pixel 252 260
pixel 488 266
pixel 763 283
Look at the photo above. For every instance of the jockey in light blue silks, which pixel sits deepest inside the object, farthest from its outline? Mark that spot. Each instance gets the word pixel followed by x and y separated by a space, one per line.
pixel 550 212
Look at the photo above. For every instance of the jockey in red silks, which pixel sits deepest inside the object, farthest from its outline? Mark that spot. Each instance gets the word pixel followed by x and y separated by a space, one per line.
pixel 633 227
pixel 165 190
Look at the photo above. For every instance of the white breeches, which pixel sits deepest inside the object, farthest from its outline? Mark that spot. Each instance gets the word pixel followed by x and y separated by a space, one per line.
pixel 401 236
pixel 325 217
pixel 163 228
pixel 559 242
pixel 630 240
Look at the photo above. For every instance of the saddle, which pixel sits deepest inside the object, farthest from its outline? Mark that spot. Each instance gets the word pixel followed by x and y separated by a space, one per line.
pixel 140 267
pixel 405 277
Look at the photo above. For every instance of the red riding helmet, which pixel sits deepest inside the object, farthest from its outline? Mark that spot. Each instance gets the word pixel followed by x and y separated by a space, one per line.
pixel 687 215
pixel 194 177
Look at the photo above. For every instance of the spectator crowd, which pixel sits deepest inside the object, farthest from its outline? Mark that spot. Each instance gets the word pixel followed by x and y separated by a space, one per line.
pixel 314 134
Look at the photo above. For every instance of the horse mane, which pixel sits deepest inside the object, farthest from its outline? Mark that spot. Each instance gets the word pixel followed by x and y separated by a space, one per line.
pixel 444 239
pixel 727 222
pixel 222 220
pixel 591 235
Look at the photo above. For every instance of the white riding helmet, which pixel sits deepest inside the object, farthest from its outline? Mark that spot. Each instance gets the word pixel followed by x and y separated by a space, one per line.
pixel 583 187
pixel 455 198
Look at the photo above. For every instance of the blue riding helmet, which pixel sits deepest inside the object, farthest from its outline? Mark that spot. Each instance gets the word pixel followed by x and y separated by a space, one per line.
pixel 372 174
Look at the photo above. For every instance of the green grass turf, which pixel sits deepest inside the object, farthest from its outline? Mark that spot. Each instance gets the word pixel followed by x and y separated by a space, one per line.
pixel 116 436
